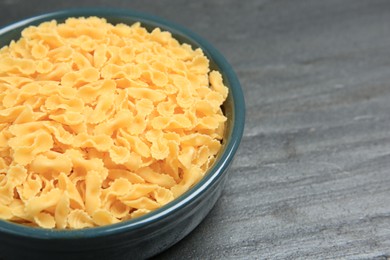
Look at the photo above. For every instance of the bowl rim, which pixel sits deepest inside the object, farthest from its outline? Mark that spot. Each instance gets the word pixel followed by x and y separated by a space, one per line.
pixel 213 174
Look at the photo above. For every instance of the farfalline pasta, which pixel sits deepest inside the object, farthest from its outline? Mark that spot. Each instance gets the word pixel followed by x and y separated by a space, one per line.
pixel 101 123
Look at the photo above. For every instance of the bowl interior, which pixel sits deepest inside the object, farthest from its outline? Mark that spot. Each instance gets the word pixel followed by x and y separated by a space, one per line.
pixel 234 109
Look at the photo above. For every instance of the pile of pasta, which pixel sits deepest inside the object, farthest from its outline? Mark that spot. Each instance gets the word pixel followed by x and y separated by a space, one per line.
pixel 101 123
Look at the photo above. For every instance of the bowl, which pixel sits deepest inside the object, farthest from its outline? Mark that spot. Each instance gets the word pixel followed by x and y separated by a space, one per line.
pixel 150 234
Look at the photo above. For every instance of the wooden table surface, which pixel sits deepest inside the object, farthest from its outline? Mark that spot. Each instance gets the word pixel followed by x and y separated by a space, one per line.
pixel 312 176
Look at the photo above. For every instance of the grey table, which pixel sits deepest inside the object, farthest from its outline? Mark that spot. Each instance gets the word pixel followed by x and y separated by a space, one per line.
pixel 312 176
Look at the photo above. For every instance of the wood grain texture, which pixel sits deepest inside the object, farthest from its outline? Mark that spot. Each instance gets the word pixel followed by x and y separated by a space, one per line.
pixel 311 179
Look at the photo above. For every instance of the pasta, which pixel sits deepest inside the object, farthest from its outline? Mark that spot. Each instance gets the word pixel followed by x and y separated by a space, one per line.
pixel 101 123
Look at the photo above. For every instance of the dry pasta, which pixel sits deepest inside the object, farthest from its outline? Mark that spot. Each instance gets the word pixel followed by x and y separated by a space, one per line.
pixel 102 123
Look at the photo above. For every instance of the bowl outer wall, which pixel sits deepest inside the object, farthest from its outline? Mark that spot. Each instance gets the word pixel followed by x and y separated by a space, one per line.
pixel 169 217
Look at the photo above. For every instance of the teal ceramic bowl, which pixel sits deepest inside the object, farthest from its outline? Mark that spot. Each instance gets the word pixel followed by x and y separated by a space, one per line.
pixel 151 234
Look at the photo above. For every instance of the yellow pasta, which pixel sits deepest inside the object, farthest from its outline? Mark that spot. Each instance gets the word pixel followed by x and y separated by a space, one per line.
pixel 62 211
pixel 5 212
pixel 79 219
pixel 102 123
pixel 103 217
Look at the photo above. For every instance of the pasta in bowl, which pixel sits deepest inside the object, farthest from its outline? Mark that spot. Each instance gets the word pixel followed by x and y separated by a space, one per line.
pixel 113 119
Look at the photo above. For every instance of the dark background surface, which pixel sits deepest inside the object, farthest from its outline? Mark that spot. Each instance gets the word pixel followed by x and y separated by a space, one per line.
pixel 312 176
